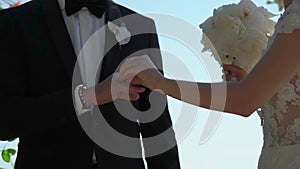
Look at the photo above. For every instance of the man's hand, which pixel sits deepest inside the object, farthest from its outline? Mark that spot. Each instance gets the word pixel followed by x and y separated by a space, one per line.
pixel 234 73
pixel 112 88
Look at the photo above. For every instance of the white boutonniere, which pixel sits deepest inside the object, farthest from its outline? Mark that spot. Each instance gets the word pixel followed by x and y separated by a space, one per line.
pixel 121 32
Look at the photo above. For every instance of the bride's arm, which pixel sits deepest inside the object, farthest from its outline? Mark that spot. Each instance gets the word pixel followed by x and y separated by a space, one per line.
pixel 275 69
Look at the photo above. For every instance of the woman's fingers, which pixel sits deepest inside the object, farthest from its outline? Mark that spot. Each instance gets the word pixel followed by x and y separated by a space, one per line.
pixel 234 73
pixel 226 72
pixel 232 68
pixel 136 81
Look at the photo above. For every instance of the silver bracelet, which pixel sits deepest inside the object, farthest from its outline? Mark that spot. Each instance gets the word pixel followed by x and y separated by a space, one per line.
pixel 83 102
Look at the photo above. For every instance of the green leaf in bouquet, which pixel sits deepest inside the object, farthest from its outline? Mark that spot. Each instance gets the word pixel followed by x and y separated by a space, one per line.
pixel 11 151
pixel 5 156
pixel 11 140
pixel 278 2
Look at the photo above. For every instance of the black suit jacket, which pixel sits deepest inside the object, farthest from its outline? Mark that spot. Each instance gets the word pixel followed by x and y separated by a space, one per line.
pixel 37 64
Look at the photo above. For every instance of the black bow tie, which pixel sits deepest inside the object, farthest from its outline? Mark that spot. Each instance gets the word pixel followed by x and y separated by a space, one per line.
pixel 96 7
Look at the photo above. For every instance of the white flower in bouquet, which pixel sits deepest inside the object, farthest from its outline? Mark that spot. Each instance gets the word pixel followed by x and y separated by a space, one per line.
pixel 238 33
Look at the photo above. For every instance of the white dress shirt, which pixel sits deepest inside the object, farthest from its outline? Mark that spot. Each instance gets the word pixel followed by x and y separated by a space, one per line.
pixel 88 39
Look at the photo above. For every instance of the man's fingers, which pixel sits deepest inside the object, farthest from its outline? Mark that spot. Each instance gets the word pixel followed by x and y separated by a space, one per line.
pixel 127 64
pixel 134 96
pixel 131 68
pixel 134 65
pixel 129 96
pixel 127 87
pixel 136 89
pixel 130 72
pixel 130 63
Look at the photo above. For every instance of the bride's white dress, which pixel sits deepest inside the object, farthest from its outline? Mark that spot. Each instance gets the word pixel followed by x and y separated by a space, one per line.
pixel 281 115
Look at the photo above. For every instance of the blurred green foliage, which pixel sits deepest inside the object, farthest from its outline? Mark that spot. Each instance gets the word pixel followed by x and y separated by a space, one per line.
pixel 278 2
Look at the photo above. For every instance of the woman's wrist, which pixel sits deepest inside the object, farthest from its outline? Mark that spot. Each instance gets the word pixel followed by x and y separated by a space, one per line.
pixel 170 87
pixel 162 84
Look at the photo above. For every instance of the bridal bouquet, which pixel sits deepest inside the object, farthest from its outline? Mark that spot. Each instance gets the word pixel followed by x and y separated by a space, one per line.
pixel 238 33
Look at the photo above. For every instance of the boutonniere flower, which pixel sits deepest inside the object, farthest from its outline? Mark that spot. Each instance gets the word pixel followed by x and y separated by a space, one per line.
pixel 121 32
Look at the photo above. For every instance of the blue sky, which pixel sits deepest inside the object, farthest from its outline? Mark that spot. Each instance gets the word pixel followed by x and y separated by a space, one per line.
pixel 237 141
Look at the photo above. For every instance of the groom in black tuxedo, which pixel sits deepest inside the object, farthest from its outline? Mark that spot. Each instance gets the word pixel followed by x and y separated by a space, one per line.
pixel 40 41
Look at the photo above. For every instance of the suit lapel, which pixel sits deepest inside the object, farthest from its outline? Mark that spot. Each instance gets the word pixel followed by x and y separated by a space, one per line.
pixel 112 50
pixel 59 33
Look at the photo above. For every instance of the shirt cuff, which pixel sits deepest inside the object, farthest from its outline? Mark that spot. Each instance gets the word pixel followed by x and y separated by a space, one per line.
pixel 78 103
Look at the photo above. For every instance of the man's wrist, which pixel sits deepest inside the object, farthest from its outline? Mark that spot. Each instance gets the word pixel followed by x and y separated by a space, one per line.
pixel 103 95
pixel 87 95
pixel 97 95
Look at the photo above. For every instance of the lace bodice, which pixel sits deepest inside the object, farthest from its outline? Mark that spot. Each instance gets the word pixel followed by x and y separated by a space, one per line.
pixel 281 115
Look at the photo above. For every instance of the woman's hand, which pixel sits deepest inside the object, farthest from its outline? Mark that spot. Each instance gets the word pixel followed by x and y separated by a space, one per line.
pixel 234 73
pixel 140 70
